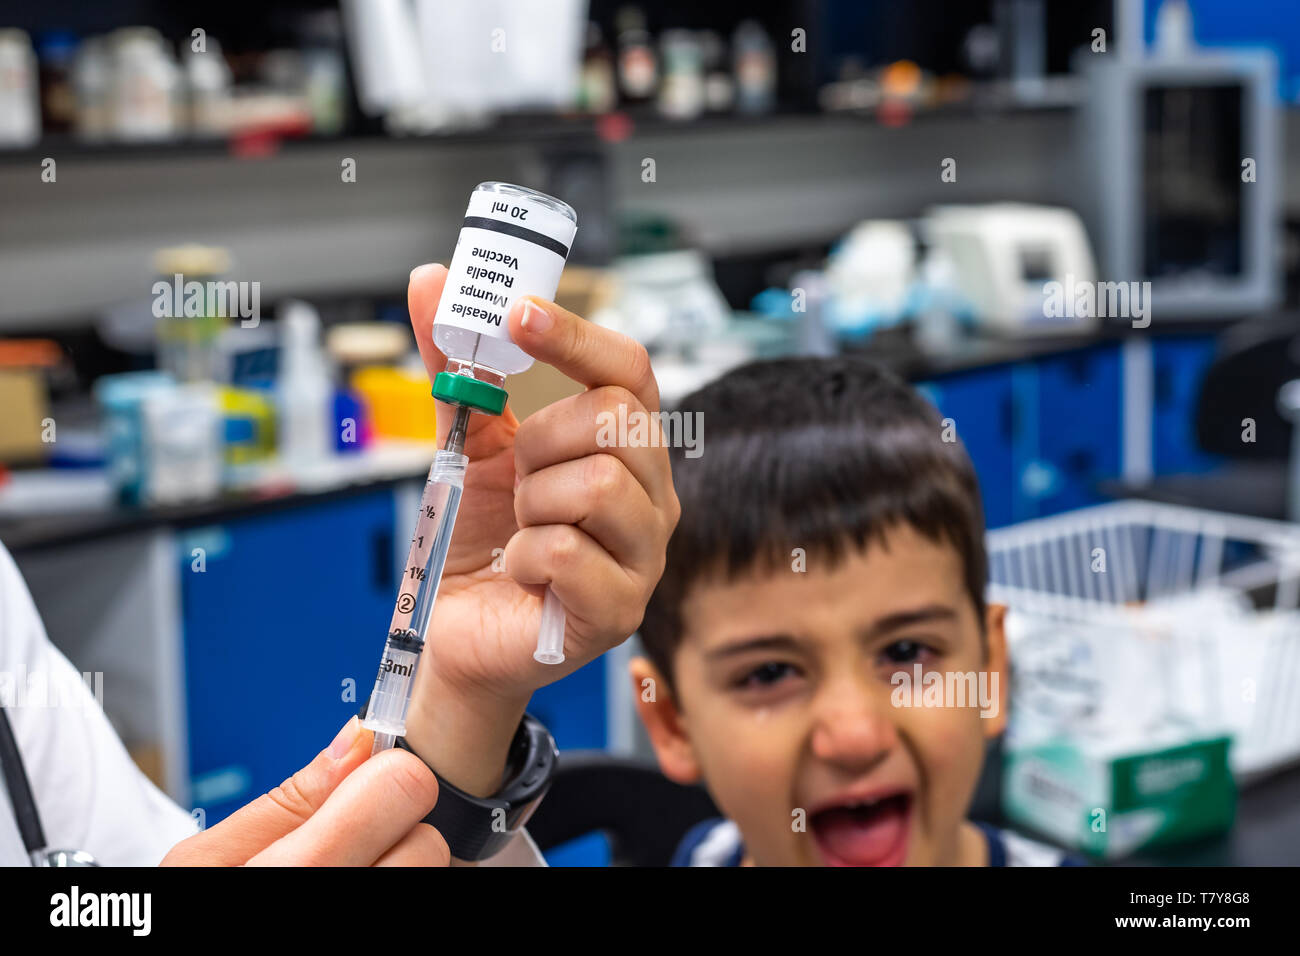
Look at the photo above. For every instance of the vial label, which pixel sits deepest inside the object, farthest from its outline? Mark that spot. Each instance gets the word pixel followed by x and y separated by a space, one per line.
pixel 508 246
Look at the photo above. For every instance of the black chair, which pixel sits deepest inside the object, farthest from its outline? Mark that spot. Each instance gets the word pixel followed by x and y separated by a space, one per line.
pixel 642 813
pixel 1253 361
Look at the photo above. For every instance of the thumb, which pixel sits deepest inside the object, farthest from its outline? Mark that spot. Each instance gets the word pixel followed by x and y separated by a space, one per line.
pixel 254 827
pixel 589 354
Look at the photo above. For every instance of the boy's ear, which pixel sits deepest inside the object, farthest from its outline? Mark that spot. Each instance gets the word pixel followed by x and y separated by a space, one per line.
pixel 995 638
pixel 657 708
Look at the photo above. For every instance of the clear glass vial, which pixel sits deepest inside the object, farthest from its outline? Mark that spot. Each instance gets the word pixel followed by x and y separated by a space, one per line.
pixel 505 223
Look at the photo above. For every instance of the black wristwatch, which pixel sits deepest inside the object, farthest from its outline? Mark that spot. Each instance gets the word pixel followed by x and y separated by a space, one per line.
pixel 476 828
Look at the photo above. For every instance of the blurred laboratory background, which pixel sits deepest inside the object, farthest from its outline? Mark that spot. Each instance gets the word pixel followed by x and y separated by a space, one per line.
pixel 1070 224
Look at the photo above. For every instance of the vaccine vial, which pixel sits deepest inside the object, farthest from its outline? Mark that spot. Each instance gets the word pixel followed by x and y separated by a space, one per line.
pixel 514 242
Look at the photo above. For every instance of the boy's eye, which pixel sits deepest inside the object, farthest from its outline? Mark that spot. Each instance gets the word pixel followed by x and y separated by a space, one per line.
pixel 765 675
pixel 905 652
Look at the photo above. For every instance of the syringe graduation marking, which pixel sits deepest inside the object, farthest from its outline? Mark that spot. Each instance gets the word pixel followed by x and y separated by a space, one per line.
pixel 424 564
pixel 414 608
pixel 408 602
pixel 405 640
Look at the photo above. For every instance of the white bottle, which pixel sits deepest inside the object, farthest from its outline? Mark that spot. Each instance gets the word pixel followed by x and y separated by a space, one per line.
pixel 20 108
pixel 1174 35
pixel 209 79
pixel 306 393
pixel 145 85
pixel 514 242
pixel 92 81
pixel 755 66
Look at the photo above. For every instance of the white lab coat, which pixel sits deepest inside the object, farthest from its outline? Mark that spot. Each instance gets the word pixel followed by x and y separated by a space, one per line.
pixel 88 791
pixel 90 794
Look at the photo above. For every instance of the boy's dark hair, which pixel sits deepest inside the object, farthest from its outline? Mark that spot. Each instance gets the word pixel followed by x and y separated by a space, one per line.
pixel 812 453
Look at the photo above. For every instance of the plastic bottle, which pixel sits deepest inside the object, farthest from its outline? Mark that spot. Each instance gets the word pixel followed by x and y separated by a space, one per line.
pixel 305 390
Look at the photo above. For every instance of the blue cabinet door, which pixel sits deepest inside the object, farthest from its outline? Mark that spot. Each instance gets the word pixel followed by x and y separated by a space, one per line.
pixel 1179 366
pixel 1080 426
pixel 573 709
pixel 983 410
pixel 289 607
pixel 1041 433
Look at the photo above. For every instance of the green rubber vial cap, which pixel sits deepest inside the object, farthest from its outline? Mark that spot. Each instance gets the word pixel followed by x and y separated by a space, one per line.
pixel 464 390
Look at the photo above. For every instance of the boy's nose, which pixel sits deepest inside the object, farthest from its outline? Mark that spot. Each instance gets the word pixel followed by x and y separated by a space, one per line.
pixel 852 729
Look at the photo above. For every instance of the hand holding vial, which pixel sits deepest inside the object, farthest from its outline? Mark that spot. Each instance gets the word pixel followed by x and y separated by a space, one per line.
pixel 590 523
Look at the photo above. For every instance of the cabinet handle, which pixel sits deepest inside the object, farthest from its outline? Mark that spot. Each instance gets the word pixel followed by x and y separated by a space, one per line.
pixel 1009 417
pixel 1164 385
pixel 382 563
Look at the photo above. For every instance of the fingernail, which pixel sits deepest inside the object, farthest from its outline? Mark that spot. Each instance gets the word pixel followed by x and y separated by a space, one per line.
pixel 345 739
pixel 536 320
pixel 517 481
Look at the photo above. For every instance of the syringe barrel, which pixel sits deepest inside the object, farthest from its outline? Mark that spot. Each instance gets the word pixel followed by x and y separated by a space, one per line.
pixel 392 694
pixel 448 469
pixel 422 572
pixel 416 595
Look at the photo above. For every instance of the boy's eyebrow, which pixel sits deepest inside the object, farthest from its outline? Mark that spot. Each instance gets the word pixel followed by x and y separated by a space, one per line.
pixel 920 615
pixel 787 642
pixel 766 642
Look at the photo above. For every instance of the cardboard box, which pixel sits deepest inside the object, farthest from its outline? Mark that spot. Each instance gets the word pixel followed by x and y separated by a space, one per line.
pixel 23 398
pixel 1109 801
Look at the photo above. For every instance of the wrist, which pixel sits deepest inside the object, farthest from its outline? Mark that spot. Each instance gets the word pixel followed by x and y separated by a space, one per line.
pixel 464 735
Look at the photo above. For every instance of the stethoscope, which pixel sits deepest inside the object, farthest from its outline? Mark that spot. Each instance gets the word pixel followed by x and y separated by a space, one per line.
pixel 29 820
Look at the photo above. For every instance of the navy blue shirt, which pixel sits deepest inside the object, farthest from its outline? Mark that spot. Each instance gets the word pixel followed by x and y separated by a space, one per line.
pixel 717 842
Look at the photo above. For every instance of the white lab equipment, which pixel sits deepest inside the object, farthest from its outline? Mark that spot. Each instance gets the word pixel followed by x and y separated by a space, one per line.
pixel 1021 266
pixel 412 62
pixel 385 56
pixel 669 300
pixel 869 275
pixel 530 55
pixel 1173 174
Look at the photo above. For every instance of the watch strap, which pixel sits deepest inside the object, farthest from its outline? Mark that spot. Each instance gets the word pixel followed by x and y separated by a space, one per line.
pixel 476 828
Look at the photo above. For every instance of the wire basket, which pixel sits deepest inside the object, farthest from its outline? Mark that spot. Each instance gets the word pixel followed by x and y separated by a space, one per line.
pixel 1142 621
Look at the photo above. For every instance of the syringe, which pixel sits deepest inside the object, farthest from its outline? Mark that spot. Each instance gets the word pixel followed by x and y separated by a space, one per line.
pixel 514 242
pixel 389 701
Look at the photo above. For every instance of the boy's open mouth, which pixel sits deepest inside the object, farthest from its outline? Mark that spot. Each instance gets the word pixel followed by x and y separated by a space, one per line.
pixel 871 833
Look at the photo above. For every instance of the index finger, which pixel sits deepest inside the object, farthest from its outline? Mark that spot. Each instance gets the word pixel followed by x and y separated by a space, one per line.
pixel 587 353
pixel 422 295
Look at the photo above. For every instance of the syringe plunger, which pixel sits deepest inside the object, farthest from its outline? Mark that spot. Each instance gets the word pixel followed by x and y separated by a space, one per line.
pixel 550 634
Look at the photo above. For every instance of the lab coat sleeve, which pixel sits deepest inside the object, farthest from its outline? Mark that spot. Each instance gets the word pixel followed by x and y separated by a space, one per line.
pixel 89 793
pixel 521 851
